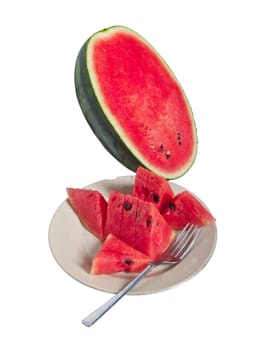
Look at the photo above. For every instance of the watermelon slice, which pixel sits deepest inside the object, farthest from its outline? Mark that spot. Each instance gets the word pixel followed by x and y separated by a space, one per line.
pixel 139 224
pixel 134 103
pixel 116 256
pixel 186 208
pixel 91 208
pixel 152 188
pixel 129 220
pixel 153 234
pixel 114 213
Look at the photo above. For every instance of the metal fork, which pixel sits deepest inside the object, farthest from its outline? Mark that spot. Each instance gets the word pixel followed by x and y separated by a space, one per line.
pixel 173 255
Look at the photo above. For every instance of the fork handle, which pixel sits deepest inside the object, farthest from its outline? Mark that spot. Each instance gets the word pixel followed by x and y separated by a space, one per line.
pixel 95 315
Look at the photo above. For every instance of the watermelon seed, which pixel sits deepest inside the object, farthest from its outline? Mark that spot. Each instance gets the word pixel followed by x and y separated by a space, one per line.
pixel 179 138
pixel 161 147
pixel 128 261
pixel 156 198
pixel 148 221
pixel 127 206
pixel 172 206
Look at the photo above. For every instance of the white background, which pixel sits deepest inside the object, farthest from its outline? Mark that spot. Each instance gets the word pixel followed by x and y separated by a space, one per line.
pixel 215 50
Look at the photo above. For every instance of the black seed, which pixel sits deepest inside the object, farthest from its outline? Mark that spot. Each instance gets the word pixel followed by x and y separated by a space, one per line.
pixel 161 147
pixel 128 261
pixel 172 206
pixel 127 206
pixel 179 139
pixel 148 221
pixel 156 198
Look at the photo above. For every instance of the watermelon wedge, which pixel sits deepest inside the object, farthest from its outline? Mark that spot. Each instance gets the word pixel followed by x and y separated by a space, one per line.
pixel 116 256
pixel 152 188
pixel 129 221
pixel 186 208
pixel 153 235
pixel 91 209
pixel 114 213
pixel 138 223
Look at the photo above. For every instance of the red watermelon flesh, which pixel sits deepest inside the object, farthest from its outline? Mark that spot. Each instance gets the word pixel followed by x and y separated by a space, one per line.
pixel 114 213
pixel 128 225
pixel 152 188
pixel 91 208
pixel 186 208
pixel 128 220
pixel 116 256
pixel 140 183
pixel 143 100
pixel 140 225
pixel 153 234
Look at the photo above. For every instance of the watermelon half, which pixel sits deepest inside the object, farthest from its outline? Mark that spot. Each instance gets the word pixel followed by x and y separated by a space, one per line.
pixel 134 103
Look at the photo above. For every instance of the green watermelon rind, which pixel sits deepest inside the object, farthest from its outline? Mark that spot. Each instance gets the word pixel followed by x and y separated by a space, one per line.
pixel 93 113
pixel 104 126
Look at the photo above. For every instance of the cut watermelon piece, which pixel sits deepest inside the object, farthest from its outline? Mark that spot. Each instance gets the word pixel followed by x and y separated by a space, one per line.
pixel 186 208
pixel 128 224
pixel 140 224
pixel 116 256
pixel 114 213
pixel 153 235
pixel 91 208
pixel 152 188
pixel 127 231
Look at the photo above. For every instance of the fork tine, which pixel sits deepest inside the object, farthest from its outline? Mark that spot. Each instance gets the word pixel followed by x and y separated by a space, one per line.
pixel 192 242
pixel 181 236
pixel 183 239
pixel 188 243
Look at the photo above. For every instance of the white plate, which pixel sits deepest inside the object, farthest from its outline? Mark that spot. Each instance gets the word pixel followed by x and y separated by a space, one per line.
pixel 73 247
